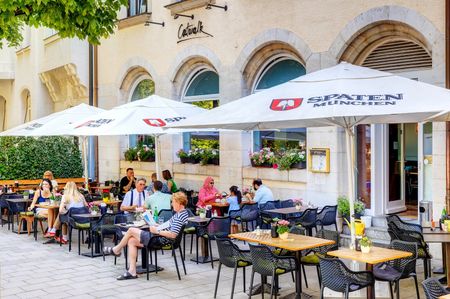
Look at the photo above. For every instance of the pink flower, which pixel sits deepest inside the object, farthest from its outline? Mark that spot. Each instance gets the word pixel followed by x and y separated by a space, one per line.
pixel 283 222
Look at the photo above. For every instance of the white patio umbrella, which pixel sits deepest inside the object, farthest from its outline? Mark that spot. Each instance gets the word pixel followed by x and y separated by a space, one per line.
pixel 56 124
pixel 146 117
pixel 344 95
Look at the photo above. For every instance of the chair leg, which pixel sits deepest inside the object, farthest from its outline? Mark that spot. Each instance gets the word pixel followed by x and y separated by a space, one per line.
pixel 234 281
pixel 304 275
pixel 156 262
pixel 184 243
pixel 272 286
pixel 192 243
pixel 318 275
pixel 176 263
pixel 262 286
pixel 102 242
pixel 346 292
pixel 217 280
pixel 425 268
pixel 417 286
pixel 210 253
pixel 196 247
pixel 322 287
pixel 251 284
pixel 243 277
pixel 390 290
pixel 397 289
pixel 79 242
pixel 182 261
pixel 149 254
pixel 70 238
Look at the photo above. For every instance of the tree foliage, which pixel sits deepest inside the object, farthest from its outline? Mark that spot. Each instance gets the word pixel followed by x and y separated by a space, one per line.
pixel 91 19
pixel 29 157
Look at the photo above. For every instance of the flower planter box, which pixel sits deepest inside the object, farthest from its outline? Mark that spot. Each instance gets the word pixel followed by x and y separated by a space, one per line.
pixel 299 165
pixel 152 159
pixel 184 160
pixel 264 165
pixel 214 161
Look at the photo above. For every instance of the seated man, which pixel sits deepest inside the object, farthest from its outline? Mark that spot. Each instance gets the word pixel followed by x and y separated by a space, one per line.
pixel 127 183
pixel 135 199
pixel 263 194
pixel 150 186
pixel 135 237
pixel 158 200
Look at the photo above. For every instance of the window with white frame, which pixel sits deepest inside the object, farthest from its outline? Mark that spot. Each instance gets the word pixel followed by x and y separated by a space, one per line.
pixel 202 89
pixel 279 70
pixel 142 88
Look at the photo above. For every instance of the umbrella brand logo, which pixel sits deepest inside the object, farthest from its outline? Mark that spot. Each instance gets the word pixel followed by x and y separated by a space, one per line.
pixel 157 122
pixel 33 126
pixel 285 104
pixel 95 123
pixel 355 99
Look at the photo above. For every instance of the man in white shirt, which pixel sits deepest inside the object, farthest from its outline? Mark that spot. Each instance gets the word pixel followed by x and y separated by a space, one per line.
pixel 263 193
pixel 134 200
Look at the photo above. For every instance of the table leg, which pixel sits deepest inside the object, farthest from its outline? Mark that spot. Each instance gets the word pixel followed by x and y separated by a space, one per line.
pixel 447 262
pixel 369 289
pixel 204 258
pixel 143 268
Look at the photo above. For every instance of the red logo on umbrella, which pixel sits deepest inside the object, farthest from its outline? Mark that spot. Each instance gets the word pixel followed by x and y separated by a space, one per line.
pixel 155 122
pixel 285 104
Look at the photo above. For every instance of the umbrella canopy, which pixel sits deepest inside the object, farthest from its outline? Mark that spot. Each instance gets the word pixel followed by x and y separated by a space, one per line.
pixel 55 124
pixel 147 116
pixel 343 95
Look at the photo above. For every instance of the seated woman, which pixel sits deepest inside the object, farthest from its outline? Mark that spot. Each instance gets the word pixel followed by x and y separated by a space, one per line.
pixel 234 199
pixel 136 238
pixel 171 185
pixel 72 198
pixel 49 175
pixel 44 193
pixel 208 193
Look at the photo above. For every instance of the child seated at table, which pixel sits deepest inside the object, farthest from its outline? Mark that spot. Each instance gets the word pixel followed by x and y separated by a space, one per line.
pixel 234 199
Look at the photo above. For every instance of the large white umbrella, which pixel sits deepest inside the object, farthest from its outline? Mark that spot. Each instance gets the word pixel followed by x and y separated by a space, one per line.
pixel 57 124
pixel 148 116
pixel 344 95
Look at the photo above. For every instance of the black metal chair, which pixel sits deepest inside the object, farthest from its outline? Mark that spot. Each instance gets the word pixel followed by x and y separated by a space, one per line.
pixel 232 256
pixel 402 224
pixel 403 234
pixel 307 219
pixel 80 224
pixel 337 277
pixel 249 213
pixel 395 270
pixel 120 218
pixel 190 229
pixel 433 288
pixel 266 263
pixel 266 217
pixel 288 203
pixel 165 214
pixel 311 258
pixel 216 227
pixel 160 243
pixel 327 216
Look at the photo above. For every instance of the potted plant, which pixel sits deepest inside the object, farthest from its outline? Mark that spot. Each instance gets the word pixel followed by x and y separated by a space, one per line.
pixel 205 156
pixel 145 153
pixel 344 208
pixel 183 156
pixel 214 157
pixel 366 244
pixel 298 203
pixel 26 194
pixel 131 154
pixel 195 155
pixel 263 158
pixel 283 229
pixel 293 158
pixel 93 208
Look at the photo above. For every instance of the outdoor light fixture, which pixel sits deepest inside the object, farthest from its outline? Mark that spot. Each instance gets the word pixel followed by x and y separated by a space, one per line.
pixel 181 15
pixel 156 23
pixel 209 6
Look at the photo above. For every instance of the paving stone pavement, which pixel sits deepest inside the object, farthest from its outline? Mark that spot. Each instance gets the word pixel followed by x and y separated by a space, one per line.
pixel 30 269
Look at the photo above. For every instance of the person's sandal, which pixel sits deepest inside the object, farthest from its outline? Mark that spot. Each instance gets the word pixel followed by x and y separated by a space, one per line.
pixel 109 250
pixel 127 275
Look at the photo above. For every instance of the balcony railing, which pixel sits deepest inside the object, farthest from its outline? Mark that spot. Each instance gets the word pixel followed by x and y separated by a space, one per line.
pixel 181 6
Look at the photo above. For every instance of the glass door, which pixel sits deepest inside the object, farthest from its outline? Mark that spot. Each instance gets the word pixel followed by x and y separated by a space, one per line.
pixel 396 164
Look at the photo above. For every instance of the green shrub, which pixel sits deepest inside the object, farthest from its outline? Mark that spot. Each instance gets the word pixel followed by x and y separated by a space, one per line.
pixel 344 206
pixel 29 157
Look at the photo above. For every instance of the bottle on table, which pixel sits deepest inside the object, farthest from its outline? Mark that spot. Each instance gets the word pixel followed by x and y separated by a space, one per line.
pixel 155 215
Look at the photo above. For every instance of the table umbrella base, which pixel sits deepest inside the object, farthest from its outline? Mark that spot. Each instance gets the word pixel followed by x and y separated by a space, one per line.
pixel 203 259
pixel 258 288
pixel 88 254
pixel 151 268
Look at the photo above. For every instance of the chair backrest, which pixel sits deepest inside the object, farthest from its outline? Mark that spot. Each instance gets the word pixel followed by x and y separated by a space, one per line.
pixel 74 211
pixel 270 205
pixel 433 288
pixel 405 265
pixel 229 253
pixel 334 274
pixel 402 224
pixel 219 227
pixel 328 235
pixel 298 230
pixel 262 259
pixel 309 216
pixel 288 203
pixel 165 214
pixel 249 212
pixel 179 237
pixel 120 218
pixel 327 215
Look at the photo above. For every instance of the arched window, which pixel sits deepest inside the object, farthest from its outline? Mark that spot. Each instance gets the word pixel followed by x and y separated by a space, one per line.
pixel 26 100
pixel 202 89
pixel 277 71
pixel 143 87
pixel 2 113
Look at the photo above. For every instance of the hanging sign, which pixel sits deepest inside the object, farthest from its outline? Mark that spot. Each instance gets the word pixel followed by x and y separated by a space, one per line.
pixel 190 31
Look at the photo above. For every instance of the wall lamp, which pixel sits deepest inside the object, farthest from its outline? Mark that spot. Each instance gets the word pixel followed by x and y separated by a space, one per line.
pixel 209 6
pixel 156 23
pixel 181 15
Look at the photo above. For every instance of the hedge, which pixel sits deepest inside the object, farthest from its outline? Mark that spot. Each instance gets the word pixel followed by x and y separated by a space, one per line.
pixel 30 157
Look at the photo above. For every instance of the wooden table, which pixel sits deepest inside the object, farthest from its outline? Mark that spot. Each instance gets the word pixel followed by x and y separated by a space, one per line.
pixel 440 236
pixel 204 258
pixel 295 243
pixel 375 256
pixel 445 297
pixel 52 210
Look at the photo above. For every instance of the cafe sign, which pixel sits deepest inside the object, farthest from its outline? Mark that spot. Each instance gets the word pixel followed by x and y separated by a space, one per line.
pixel 190 31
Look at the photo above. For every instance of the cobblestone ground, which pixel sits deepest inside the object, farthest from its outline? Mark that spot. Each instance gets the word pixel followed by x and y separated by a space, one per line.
pixel 30 269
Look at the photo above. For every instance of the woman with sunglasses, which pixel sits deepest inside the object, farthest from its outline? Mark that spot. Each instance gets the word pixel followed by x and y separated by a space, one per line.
pixel 208 193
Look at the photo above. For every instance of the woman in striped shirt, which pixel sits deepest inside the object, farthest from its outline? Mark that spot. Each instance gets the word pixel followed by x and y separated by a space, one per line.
pixel 136 238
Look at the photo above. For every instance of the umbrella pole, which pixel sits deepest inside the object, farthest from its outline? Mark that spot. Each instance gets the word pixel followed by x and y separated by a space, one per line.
pixel 85 162
pixel 157 156
pixel 351 194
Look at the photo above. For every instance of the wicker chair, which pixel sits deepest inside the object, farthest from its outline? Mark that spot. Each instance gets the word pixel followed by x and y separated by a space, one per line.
pixel 268 264
pixel 165 214
pixel 80 224
pixel 311 258
pixel 216 227
pixel 307 219
pixel 266 217
pixel 395 270
pixel 402 224
pixel 433 288
pixel 248 213
pixel 327 216
pixel 337 277
pixel 231 256
pixel 288 203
